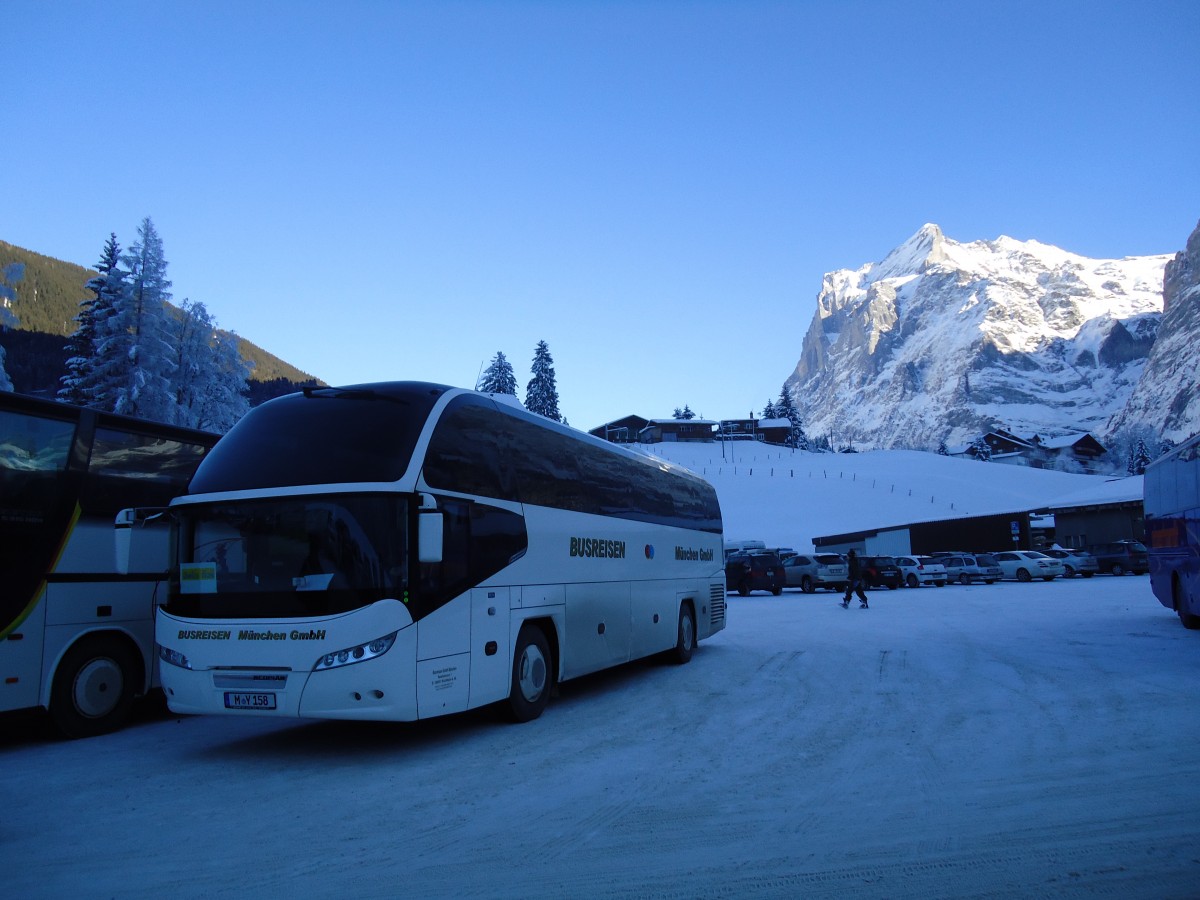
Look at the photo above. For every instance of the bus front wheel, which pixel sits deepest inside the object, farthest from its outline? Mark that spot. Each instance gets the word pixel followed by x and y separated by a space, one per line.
pixel 685 641
pixel 94 687
pixel 532 675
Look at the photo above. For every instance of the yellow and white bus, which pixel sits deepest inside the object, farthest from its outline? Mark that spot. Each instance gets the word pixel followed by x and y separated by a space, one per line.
pixel 76 636
pixel 406 550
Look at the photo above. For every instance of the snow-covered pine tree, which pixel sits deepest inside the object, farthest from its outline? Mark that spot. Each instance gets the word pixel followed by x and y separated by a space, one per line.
pixel 12 273
pixel 134 366
pixel 685 413
pixel 498 377
pixel 1139 458
pixel 78 384
pixel 226 395
pixel 541 394
pixel 942 449
pixel 785 408
pixel 210 376
pixel 981 449
pixel 769 410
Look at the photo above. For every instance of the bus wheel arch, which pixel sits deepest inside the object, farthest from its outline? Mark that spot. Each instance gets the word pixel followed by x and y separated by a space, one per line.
pixel 533 672
pixel 685 633
pixel 95 683
pixel 1191 622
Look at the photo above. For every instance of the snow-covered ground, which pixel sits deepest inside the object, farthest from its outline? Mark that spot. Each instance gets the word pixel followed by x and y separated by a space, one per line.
pixel 787 497
pixel 1031 740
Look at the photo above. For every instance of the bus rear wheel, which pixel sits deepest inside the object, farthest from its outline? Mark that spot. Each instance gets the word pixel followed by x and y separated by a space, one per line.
pixel 532 675
pixel 94 687
pixel 685 641
pixel 1188 621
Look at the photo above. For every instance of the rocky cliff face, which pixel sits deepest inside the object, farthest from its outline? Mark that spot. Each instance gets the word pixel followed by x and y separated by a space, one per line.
pixel 1166 399
pixel 941 340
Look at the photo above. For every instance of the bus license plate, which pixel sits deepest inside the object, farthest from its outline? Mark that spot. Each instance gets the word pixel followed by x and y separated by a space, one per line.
pixel 249 701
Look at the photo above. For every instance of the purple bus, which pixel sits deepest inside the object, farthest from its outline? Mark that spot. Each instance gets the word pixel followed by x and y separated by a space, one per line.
pixel 1172 504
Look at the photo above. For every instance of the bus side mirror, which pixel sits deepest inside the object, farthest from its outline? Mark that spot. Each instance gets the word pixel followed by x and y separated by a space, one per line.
pixel 147 551
pixel 123 539
pixel 430 533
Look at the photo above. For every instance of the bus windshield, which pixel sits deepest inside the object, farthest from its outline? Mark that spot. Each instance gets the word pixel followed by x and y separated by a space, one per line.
pixel 289 556
pixel 321 436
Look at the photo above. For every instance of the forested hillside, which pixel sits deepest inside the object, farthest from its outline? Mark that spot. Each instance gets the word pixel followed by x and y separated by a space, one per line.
pixel 47 300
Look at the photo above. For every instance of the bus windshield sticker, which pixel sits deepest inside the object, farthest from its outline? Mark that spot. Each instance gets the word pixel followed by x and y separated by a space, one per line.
pixel 198 578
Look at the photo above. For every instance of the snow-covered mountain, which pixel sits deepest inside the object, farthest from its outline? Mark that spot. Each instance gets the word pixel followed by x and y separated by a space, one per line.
pixel 1167 397
pixel 942 340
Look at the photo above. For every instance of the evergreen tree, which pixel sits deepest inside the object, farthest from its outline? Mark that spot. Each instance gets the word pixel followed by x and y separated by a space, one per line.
pixel 134 365
pixel 498 377
pixel 981 450
pixel 78 385
pixel 541 394
pixel 769 411
pixel 1166 447
pixel 685 413
pixel 210 389
pixel 942 449
pixel 12 273
pixel 1139 458
pixel 785 408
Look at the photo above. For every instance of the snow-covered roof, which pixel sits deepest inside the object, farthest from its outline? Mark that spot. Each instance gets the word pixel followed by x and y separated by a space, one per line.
pixel 1064 440
pixel 1118 490
pixel 774 423
pixel 682 422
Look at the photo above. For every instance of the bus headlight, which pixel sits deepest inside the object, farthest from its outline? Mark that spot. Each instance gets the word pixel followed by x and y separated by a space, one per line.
pixel 174 657
pixel 359 653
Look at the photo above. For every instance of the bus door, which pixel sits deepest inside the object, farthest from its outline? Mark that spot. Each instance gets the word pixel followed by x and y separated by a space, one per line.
pixel 490 653
pixel 21 661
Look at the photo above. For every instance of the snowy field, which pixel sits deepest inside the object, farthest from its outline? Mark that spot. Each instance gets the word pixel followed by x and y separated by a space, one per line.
pixel 1013 740
pixel 787 497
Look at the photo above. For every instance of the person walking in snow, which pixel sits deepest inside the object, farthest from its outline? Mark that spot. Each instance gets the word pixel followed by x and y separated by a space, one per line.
pixel 855 582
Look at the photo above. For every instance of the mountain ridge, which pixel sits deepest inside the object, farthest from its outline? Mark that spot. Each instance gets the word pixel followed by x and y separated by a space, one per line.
pixel 47 301
pixel 943 339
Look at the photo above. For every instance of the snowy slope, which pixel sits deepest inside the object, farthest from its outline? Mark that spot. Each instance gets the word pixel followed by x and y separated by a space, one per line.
pixel 786 497
pixel 941 340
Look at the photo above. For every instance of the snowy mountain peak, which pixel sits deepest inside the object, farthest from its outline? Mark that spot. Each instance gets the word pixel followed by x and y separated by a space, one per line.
pixel 922 249
pixel 942 339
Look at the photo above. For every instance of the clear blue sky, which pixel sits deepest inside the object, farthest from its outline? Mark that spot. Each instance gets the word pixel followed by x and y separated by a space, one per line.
pixel 389 190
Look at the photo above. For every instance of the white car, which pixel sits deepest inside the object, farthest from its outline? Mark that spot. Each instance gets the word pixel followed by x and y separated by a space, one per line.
pixel 1026 565
pixel 918 570
pixel 1075 562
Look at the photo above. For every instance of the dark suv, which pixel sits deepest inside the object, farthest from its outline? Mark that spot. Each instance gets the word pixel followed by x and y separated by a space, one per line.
pixel 880 571
pixel 746 572
pixel 1119 557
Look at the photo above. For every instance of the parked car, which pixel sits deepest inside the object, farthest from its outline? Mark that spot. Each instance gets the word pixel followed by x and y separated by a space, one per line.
pixel 1119 557
pixel 918 570
pixel 1026 565
pixel 1075 562
pixel 966 568
pixel 825 570
pixel 746 572
pixel 880 571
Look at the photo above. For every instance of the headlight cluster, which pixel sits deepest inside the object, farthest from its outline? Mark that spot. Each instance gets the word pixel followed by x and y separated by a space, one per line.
pixel 352 655
pixel 174 657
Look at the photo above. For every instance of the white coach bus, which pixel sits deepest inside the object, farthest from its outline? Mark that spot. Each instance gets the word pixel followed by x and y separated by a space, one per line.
pixel 407 550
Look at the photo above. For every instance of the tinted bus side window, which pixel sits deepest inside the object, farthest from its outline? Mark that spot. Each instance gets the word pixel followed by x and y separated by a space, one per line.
pixel 33 456
pixel 465 452
pixel 128 469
